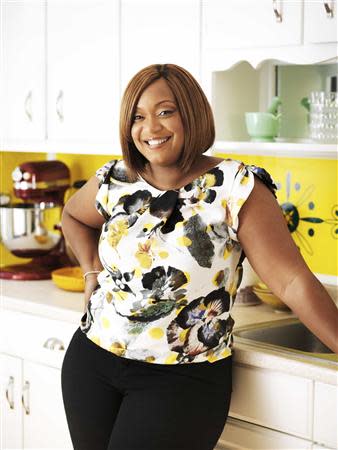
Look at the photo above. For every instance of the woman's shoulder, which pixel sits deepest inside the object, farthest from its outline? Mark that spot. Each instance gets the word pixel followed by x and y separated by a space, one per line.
pixel 113 170
pixel 236 169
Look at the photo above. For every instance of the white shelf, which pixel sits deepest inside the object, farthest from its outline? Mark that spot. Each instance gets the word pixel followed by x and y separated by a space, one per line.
pixel 303 149
pixel 62 146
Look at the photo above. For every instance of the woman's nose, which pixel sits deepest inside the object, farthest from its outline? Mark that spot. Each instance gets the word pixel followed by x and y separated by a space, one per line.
pixel 153 124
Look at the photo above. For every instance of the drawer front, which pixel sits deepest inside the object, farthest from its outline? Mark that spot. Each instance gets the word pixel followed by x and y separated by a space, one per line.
pixel 241 435
pixel 275 400
pixel 35 338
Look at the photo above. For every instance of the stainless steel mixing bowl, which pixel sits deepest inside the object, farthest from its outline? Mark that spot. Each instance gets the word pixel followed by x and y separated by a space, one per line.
pixel 30 230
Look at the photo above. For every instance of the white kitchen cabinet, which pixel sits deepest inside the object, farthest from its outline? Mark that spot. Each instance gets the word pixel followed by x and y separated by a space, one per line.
pixel 325 414
pixel 31 381
pixel 159 31
pixel 83 72
pixel 242 435
pixel 320 21
pixel 45 425
pixel 272 399
pixel 23 70
pixel 11 413
pixel 248 23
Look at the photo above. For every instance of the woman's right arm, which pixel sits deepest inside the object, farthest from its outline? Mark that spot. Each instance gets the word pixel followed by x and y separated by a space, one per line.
pixel 81 225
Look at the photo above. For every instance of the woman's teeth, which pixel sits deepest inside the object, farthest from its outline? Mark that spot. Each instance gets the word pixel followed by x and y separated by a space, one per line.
pixel 155 142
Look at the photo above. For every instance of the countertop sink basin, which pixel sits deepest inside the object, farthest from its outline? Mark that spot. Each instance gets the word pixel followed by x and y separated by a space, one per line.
pixel 286 336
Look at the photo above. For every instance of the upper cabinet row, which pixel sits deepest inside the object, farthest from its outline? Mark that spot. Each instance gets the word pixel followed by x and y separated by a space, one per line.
pixel 66 63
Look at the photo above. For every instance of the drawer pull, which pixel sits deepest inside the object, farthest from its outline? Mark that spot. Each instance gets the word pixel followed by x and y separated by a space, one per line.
pixel 10 392
pixel 278 14
pixel 54 344
pixel 328 10
pixel 25 393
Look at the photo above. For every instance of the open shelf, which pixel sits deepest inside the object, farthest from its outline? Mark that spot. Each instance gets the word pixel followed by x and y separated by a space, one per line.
pixel 298 149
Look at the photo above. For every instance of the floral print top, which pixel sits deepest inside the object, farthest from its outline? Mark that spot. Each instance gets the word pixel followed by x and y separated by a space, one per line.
pixel 172 264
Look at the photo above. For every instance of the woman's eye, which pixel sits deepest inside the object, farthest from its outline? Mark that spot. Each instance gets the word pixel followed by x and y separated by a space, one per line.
pixel 166 112
pixel 137 117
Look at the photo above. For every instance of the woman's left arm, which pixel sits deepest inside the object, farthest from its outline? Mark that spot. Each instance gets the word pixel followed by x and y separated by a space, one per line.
pixel 270 249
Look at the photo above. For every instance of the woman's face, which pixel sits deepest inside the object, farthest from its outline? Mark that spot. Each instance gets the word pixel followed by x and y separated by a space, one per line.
pixel 157 129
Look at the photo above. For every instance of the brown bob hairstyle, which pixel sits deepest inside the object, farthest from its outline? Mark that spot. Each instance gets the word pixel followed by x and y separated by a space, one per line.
pixel 194 108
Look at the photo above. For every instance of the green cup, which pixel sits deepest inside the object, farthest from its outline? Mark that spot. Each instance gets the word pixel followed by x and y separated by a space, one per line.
pixel 262 126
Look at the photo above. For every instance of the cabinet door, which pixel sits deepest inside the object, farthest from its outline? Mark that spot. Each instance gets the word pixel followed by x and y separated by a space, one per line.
pixel 249 23
pixel 273 399
pixel 10 403
pixel 319 25
pixel 23 58
pixel 325 415
pixel 159 31
pixel 83 71
pixel 45 425
pixel 242 435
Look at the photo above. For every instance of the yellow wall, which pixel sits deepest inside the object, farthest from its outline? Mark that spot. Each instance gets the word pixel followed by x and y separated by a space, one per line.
pixel 312 186
pixel 313 190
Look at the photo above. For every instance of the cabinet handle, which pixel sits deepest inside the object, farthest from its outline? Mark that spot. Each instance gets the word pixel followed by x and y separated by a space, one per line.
pixel 328 10
pixel 54 344
pixel 59 105
pixel 25 404
pixel 10 387
pixel 278 14
pixel 28 106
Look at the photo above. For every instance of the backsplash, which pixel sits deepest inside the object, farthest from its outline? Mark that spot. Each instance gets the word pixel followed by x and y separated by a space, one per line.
pixel 307 192
pixel 306 189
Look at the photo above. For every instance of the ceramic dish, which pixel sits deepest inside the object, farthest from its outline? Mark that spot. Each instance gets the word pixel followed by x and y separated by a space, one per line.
pixel 266 296
pixel 69 279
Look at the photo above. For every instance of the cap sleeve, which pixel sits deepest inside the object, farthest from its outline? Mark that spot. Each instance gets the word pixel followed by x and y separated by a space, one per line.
pixel 243 180
pixel 101 200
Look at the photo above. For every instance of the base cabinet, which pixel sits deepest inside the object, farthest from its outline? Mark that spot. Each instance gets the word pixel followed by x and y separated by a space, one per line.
pixel 32 410
pixel 275 410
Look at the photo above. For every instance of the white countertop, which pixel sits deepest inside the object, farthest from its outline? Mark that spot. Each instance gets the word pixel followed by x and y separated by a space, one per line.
pixel 43 298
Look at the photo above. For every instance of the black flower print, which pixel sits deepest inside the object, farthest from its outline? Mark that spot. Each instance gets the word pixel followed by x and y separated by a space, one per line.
pixel 198 328
pixel 121 287
pixel 168 208
pixel 204 185
pixel 163 292
pixel 264 176
pixel 199 243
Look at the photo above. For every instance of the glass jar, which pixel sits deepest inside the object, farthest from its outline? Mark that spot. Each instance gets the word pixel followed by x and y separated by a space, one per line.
pixel 323 117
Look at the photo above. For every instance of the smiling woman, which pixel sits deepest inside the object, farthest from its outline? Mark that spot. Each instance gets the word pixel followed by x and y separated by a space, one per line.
pixel 169 100
pixel 168 228
pixel 157 130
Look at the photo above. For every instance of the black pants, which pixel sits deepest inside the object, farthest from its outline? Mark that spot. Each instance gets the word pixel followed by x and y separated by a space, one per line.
pixel 114 403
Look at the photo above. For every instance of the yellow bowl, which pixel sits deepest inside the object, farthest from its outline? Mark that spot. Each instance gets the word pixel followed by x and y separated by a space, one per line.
pixel 270 299
pixel 69 278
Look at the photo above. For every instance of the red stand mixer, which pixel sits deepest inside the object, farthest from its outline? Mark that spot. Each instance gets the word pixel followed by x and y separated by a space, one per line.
pixel 31 229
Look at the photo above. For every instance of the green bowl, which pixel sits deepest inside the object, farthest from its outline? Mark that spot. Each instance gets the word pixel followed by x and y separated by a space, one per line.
pixel 262 126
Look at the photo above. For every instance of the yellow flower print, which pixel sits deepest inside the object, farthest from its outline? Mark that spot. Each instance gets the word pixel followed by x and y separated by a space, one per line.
pixel 144 255
pixel 156 333
pixel 209 180
pixel 171 359
pixel 116 231
pixel 184 241
pixel 118 348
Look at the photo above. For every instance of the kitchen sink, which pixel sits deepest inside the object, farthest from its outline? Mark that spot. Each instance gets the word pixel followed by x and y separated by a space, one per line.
pixel 286 336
